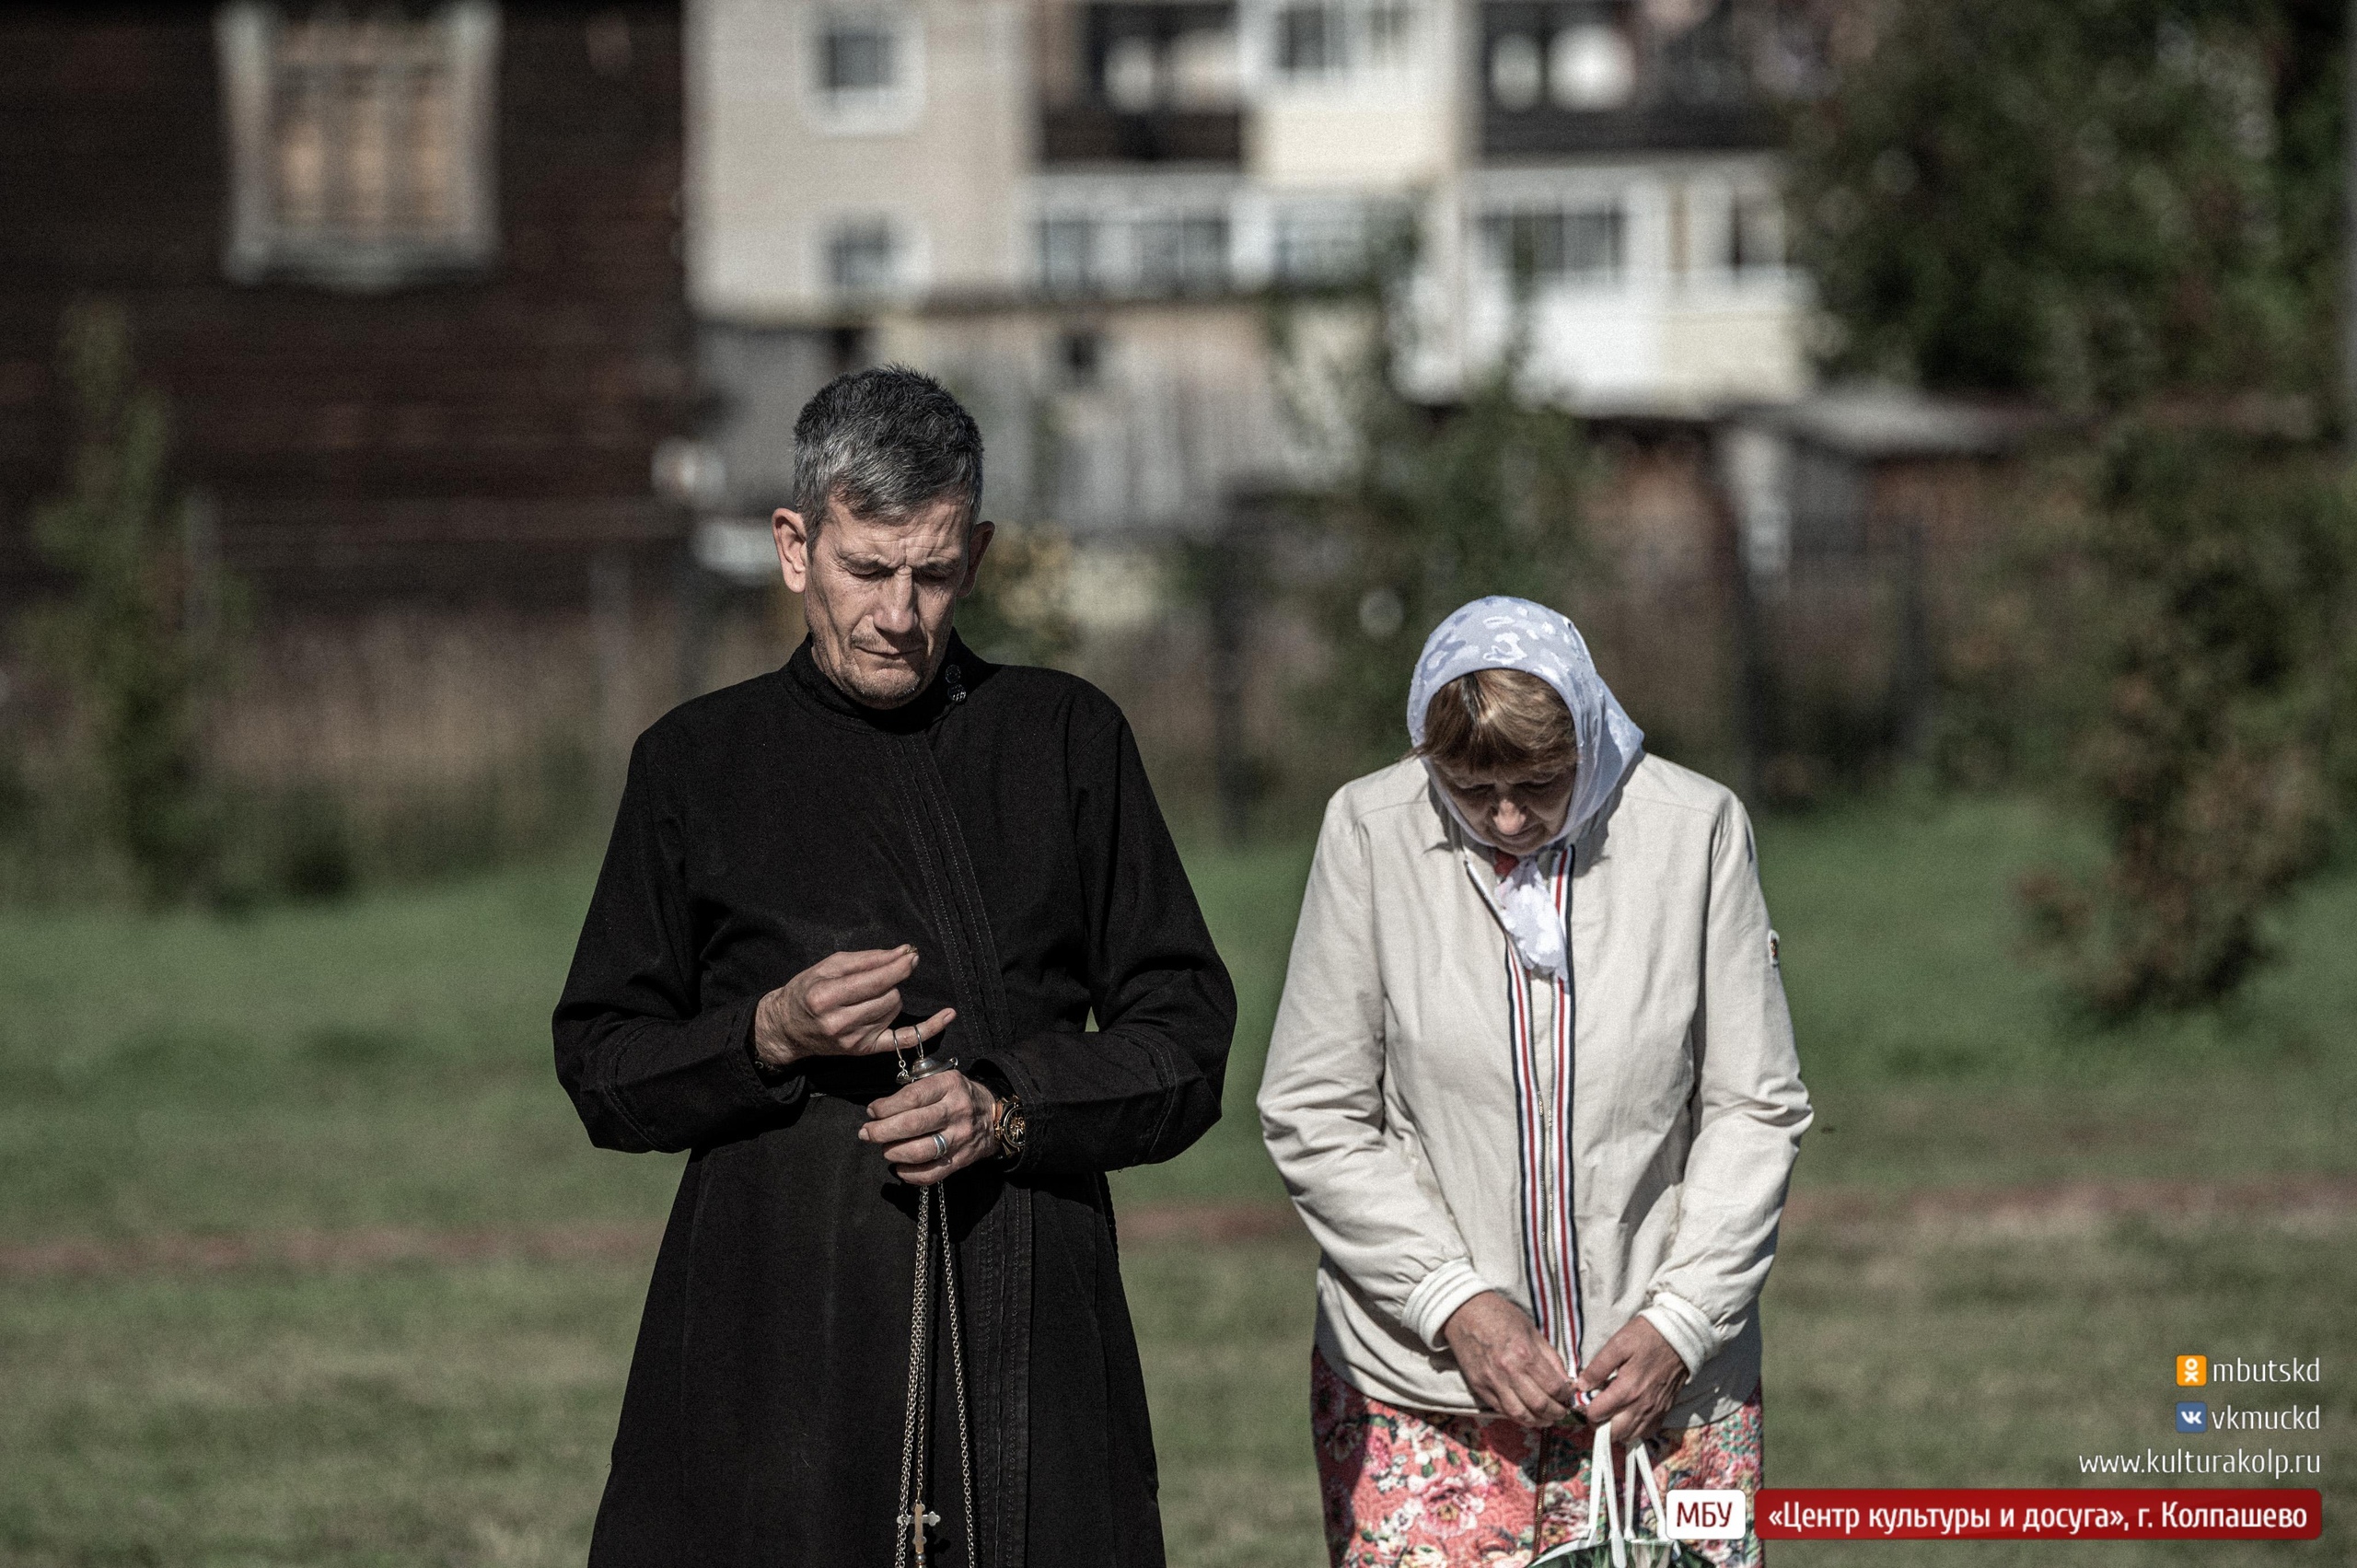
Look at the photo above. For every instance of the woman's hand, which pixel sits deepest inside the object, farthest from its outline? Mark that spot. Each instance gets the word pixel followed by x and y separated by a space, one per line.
pixel 1635 1378
pixel 1513 1369
pixel 934 1127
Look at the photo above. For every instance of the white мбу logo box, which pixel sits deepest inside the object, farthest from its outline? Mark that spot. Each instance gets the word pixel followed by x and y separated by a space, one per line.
pixel 1705 1516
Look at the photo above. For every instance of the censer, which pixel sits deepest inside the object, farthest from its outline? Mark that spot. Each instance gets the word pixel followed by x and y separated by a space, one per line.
pixel 916 1435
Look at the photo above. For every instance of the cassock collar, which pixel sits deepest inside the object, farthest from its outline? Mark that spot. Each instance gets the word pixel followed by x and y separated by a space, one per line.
pixel 805 677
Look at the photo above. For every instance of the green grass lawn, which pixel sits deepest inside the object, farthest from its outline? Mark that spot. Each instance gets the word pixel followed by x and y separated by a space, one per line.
pixel 386 1063
pixel 1969 1353
pixel 460 1414
pixel 1939 1054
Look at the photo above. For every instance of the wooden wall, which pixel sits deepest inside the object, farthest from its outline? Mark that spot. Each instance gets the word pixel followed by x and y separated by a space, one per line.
pixel 479 438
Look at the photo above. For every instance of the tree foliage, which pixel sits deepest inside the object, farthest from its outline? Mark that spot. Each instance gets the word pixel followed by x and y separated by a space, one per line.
pixel 1426 508
pixel 2208 584
pixel 1018 613
pixel 2130 210
pixel 2096 202
pixel 122 637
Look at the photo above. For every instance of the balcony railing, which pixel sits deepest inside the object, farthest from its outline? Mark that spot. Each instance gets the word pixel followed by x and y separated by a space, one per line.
pixel 1098 134
pixel 1660 127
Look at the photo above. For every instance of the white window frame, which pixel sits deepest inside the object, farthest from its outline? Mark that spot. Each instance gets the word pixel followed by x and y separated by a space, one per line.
pixel 1338 229
pixel 1117 265
pixel 884 111
pixel 1353 24
pixel 1566 207
pixel 1338 33
pixel 1767 205
pixel 262 245
pixel 909 264
pixel 1089 281
pixel 1180 227
pixel 1353 225
pixel 1118 212
pixel 1712 199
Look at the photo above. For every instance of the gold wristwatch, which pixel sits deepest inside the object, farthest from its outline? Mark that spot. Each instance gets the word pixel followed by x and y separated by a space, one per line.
pixel 1008 1128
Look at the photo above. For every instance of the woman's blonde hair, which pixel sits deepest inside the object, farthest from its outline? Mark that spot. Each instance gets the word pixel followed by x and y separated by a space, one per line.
pixel 1499 721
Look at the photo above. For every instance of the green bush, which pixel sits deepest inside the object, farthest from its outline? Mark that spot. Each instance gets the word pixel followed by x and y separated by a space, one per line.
pixel 1016 613
pixel 135 639
pixel 2131 211
pixel 2208 614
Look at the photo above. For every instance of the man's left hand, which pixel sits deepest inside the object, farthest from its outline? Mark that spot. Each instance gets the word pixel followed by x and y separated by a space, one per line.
pixel 1636 1378
pixel 960 1112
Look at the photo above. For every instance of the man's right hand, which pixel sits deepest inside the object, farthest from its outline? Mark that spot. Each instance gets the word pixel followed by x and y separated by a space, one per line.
pixel 1513 1369
pixel 843 1005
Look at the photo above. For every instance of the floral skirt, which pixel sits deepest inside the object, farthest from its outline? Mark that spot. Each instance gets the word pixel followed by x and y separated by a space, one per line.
pixel 1403 1489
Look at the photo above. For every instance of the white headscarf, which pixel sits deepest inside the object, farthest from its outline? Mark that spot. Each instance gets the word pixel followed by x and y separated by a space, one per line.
pixel 1514 633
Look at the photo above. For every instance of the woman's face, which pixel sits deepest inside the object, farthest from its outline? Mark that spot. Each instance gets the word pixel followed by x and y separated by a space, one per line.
pixel 1516 811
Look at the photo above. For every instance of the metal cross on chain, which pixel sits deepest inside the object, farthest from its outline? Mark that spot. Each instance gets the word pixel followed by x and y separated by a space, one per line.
pixel 914 1519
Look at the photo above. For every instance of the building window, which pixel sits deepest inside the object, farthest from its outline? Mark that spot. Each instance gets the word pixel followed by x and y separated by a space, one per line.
pixel 1590 66
pixel 1144 56
pixel 1122 252
pixel 1556 245
pixel 1390 30
pixel 1080 354
pixel 1200 68
pixel 855 57
pixel 862 259
pixel 1323 244
pixel 1327 41
pixel 866 70
pixel 361 146
pixel 1755 234
pixel 1182 255
pixel 1068 255
pixel 1309 40
pixel 1516 76
pixel 1133 74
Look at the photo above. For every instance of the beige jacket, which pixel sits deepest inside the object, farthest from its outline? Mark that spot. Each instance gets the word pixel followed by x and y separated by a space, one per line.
pixel 1388 1099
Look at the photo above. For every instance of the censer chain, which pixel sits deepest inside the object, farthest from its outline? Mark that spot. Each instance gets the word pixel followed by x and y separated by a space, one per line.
pixel 932 1215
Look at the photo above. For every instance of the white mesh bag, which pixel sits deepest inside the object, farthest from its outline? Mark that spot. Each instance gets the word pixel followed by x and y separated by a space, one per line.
pixel 1613 1535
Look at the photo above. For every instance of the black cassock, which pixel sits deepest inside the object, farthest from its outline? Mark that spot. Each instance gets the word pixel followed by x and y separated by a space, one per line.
pixel 1003 823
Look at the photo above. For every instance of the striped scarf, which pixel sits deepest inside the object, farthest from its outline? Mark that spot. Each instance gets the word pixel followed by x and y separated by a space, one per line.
pixel 1543 1123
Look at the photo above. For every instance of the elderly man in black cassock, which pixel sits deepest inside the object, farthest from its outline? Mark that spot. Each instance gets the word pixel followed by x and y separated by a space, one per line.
pixel 888 848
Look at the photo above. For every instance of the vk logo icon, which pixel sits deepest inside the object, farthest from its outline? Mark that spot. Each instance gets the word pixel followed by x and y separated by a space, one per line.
pixel 2193 1417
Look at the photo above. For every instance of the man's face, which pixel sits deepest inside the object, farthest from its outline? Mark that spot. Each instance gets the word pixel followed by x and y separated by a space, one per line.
pixel 879 592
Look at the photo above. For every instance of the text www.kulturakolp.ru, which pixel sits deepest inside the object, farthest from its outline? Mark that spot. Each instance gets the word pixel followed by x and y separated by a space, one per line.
pixel 2267 1462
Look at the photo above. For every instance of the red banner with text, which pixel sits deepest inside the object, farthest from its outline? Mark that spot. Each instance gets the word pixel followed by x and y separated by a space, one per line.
pixel 2038 1513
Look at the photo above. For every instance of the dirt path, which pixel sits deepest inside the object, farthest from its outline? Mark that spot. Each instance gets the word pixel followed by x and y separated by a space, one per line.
pixel 1994 1208
pixel 2064 1204
pixel 308 1249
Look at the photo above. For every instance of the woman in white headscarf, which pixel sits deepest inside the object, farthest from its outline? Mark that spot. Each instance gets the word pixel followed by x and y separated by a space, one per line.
pixel 1533 1089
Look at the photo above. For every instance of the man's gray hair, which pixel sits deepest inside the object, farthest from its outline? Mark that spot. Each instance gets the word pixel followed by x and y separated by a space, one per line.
pixel 885 442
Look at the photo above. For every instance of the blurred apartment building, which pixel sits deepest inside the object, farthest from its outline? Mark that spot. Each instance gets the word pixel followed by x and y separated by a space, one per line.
pixel 1078 211
pixel 440 290
pixel 1091 217
pixel 483 325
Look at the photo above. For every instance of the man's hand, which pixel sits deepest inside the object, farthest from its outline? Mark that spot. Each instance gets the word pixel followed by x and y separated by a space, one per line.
pixel 842 1006
pixel 934 1127
pixel 1635 1378
pixel 1512 1367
